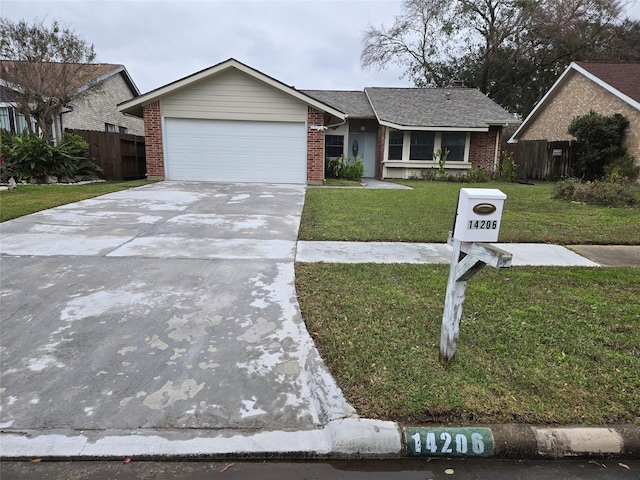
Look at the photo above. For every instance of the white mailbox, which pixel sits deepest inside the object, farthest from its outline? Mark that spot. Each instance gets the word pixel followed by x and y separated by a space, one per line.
pixel 478 214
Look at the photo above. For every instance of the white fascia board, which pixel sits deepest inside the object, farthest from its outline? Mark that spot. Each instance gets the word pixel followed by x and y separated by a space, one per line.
pixel 635 104
pixel 432 128
pixel 551 92
pixel 542 101
pixel 138 102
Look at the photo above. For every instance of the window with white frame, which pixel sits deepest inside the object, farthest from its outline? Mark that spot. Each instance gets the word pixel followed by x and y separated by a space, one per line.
pixel 5 123
pixel 421 146
pixel 396 140
pixel 109 127
pixel 333 146
pixel 455 143
pixel 12 120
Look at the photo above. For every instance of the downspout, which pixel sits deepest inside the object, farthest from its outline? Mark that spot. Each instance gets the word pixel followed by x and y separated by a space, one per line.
pixel 69 110
pixel 338 124
pixel 497 152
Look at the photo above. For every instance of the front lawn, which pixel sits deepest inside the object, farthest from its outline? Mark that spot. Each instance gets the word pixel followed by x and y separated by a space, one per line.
pixel 28 199
pixel 537 345
pixel 425 214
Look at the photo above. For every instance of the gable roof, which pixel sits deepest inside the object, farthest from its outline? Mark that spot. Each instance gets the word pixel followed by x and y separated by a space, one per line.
pixel 87 73
pixel 436 108
pixel 134 106
pixel 622 77
pixel 619 79
pixel 353 103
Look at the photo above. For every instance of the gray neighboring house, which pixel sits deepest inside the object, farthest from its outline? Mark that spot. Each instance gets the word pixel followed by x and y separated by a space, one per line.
pixel 96 110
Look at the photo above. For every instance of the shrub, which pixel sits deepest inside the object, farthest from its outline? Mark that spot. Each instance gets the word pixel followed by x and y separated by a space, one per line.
pixel 476 175
pixel 6 171
pixel 600 192
pixel 342 167
pixel 622 168
pixel 598 142
pixel 31 158
pixel 507 169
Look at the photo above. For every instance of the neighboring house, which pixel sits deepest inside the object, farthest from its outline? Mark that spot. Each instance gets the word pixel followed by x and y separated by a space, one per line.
pixel 605 88
pixel 231 122
pixel 96 110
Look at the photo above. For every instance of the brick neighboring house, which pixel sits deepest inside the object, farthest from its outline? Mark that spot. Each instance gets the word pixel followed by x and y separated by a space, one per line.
pixel 96 110
pixel 605 88
pixel 231 122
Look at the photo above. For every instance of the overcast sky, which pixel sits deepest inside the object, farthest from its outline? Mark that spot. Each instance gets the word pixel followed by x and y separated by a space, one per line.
pixel 310 44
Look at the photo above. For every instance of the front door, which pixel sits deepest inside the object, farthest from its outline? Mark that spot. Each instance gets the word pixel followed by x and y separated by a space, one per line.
pixel 363 145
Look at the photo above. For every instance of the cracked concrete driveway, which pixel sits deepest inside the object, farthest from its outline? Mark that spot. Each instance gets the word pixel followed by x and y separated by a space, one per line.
pixel 170 306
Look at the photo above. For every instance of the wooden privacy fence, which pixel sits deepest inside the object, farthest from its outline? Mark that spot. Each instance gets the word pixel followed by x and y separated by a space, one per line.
pixel 120 155
pixel 542 160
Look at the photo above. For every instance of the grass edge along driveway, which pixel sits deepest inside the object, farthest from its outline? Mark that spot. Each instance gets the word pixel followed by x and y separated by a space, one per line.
pixel 27 199
pixel 538 344
pixel 426 213
pixel 543 345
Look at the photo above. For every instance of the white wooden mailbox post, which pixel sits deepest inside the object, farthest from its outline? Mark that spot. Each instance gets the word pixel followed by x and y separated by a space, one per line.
pixel 477 221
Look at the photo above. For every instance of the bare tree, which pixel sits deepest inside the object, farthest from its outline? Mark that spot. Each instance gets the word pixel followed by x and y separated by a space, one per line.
pixel 45 67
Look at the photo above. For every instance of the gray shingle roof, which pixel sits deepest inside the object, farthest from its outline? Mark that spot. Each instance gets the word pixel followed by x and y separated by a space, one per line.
pixel 353 103
pixel 437 107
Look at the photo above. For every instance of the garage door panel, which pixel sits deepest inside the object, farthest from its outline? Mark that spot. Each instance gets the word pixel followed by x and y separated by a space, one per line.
pixel 217 150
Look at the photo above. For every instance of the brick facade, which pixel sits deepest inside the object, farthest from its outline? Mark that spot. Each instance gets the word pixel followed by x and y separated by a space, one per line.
pixel 577 97
pixel 315 146
pixel 153 141
pixel 482 148
pixel 98 107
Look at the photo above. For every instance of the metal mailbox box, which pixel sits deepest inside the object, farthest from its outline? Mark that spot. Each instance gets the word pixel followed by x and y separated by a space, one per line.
pixel 478 214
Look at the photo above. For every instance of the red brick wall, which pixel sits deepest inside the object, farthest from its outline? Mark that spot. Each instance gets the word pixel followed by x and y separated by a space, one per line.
pixel 153 141
pixel 380 139
pixel 315 146
pixel 482 149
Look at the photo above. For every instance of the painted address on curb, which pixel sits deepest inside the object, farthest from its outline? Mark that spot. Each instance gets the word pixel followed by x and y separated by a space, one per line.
pixel 449 442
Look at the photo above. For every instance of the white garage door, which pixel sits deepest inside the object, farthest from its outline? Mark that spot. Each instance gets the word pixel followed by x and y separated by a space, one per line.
pixel 235 151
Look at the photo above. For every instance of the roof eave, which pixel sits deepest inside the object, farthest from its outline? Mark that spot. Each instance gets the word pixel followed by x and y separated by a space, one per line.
pixel 575 67
pixel 435 128
pixel 135 105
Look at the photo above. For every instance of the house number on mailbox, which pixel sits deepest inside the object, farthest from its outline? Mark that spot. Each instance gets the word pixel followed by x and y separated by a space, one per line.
pixel 483 224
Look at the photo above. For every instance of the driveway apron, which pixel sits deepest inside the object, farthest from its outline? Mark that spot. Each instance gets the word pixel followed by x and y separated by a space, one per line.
pixel 170 306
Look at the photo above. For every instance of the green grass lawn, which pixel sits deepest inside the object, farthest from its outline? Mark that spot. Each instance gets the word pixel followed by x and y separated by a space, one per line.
pixel 28 199
pixel 537 345
pixel 425 214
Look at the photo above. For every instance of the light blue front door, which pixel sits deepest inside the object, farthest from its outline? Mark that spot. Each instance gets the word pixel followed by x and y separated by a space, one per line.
pixel 363 145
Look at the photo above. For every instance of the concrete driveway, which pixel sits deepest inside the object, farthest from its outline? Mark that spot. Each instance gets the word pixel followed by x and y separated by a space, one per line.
pixel 170 306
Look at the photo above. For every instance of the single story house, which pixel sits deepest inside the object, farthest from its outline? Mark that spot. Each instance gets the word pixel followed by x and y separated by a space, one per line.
pixel 605 88
pixel 96 110
pixel 231 122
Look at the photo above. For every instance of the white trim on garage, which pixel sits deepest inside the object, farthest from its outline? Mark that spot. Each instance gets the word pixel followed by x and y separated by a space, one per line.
pixel 235 151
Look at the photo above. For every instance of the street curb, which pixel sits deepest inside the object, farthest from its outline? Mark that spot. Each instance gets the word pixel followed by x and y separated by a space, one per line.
pixel 348 438
pixel 535 442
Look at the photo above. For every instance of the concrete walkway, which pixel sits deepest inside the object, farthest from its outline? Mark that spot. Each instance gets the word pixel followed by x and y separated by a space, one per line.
pixel 395 252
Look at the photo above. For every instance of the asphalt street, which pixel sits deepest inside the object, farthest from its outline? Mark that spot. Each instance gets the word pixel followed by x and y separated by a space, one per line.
pixel 468 469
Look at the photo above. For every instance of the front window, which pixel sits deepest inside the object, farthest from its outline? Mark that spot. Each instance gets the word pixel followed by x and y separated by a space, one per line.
pixel 455 143
pixel 5 123
pixel 395 145
pixel 122 129
pixel 333 146
pixel 109 127
pixel 21 122
pixel 422 145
